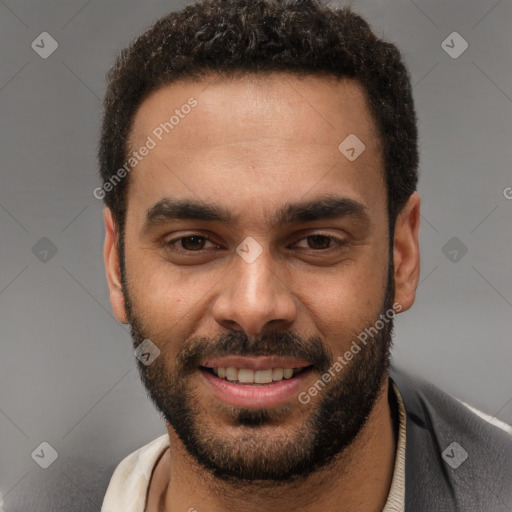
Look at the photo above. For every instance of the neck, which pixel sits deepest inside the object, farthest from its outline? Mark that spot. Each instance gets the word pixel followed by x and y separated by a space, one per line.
pixel 358 479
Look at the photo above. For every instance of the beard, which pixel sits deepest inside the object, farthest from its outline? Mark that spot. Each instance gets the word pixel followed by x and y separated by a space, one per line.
pixel 259 446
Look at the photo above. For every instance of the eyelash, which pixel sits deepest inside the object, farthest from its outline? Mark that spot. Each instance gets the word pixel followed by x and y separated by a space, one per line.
pixel 172 244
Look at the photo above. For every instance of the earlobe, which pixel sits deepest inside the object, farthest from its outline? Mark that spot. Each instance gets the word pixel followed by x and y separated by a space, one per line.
pixel 406 254
pixel 113 268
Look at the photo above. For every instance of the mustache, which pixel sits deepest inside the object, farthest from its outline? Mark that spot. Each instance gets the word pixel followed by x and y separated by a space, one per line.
pixel 274 343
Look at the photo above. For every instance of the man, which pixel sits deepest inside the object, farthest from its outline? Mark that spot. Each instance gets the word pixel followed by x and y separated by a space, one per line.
pixel 259 165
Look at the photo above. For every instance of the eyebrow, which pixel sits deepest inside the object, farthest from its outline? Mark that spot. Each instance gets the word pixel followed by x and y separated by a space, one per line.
pixel 167 209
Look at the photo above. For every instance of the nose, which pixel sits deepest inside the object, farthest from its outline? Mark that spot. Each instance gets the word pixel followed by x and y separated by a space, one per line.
pixel 254 298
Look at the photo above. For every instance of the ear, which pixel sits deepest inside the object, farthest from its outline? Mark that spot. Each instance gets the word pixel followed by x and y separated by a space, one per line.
pixel 113 267
pixel 406 252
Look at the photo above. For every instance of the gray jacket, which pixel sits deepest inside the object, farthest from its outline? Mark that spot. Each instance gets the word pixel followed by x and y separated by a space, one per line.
pixel 455 460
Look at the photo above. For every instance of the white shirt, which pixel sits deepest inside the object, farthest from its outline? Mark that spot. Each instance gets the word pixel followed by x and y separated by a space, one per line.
pixel 128 487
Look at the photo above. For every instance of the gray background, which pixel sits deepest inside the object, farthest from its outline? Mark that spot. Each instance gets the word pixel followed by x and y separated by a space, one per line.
pixel 67 372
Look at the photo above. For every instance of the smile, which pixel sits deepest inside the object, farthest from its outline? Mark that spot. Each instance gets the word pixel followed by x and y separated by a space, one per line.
pixel 255 382
pixel 248 376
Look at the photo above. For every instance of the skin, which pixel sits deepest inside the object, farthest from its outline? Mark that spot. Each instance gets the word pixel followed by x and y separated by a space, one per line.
pixel 251 145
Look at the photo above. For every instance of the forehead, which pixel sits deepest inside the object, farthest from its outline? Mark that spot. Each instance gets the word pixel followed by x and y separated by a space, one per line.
pixel 261 136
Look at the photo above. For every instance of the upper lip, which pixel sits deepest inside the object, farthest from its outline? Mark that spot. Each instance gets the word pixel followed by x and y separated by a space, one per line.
pixel 255 362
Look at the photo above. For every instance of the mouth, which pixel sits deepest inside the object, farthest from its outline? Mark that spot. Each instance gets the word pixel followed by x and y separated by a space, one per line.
pixel 255 382
pixel 244 376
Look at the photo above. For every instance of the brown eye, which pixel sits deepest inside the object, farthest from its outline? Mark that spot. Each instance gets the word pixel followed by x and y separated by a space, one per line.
pixel 319 242
pixel 186 245
pixel 193 243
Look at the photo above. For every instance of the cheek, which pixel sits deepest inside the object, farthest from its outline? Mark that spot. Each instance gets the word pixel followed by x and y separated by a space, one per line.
pixel 342 304
pixel 170 300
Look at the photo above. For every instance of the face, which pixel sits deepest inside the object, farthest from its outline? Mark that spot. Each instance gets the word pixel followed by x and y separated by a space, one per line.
pixel 255 254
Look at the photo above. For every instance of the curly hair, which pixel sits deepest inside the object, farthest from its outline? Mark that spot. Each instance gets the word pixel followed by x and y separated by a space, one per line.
pixel 237 37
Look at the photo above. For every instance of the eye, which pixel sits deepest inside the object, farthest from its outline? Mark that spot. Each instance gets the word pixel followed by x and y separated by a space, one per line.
pixel 320 242
pixel 191 243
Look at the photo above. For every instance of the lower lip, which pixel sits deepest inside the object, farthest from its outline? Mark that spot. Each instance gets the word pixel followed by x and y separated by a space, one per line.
pixel 255 396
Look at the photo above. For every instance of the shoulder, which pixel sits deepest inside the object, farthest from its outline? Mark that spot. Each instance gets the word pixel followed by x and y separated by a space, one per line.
pixel 456 456
pixel 129 482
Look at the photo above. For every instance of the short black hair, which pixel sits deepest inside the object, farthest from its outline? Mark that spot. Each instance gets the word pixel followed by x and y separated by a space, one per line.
pixel 233 37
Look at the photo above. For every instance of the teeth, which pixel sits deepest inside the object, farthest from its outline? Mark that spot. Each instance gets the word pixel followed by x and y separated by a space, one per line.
pixel 277 373
pixel 231 374
pixel 262 376
pixel 247 376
